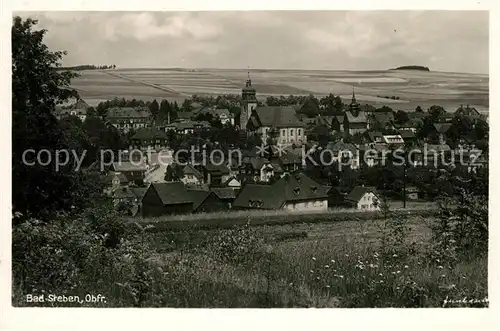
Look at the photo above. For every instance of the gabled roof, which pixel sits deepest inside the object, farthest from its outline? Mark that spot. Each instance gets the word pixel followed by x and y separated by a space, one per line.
pixel 79 104
pixel 198 197
pixel 222 112
pixel 127 112
pixel 407 134
pixel 375 135
pixel 258 196
pixel 293 187
pixel 279 117
pixel 298 186
pixel 468 111
pixel 139 192
pixel 361 118
pixel 126 166
pixel 190 170
pixel 224 170
pixel 442 127
pixel 225 193
pixel 172 193
pixel 186 115
pixel 359 191
pixel 149 134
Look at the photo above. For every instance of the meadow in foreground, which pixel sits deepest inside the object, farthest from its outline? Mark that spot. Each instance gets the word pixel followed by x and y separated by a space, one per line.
pixel 388 261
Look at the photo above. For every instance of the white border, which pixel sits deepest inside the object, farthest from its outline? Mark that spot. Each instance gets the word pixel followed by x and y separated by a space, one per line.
pixel 245 319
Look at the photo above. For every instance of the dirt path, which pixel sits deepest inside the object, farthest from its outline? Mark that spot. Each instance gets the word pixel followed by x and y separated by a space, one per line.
pixel 158 87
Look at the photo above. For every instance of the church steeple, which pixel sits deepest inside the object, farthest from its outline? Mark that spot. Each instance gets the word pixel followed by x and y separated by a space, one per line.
pixel 248 92
pixel 354 106
pixel 249 80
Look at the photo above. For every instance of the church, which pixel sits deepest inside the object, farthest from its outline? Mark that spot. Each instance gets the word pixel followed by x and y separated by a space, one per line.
pixel 281 124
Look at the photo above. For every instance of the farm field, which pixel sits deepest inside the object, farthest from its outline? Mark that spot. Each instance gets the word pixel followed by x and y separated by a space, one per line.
pixel 412 87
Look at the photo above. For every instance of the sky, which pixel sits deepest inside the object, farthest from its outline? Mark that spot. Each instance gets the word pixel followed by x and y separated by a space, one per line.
pixel 455 41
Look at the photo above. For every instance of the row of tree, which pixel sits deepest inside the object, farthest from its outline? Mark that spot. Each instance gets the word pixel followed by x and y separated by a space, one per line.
pixel 88 67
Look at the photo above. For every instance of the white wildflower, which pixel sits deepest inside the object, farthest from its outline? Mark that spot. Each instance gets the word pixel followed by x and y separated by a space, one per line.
pixel 313 258
pixel 440 267
pixel 327 266
pixel 406 267
pixel 341 276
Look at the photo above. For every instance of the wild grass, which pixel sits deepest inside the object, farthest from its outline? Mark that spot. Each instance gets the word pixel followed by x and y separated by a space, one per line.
pixel 336 265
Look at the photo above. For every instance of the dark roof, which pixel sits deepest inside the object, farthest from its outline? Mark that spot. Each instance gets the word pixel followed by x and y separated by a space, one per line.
pixel 186 115
pixel 149 134
pixel 359 191
pixel 298 186
pixel 442 127
pixel 125 166
pixel 224 170
pixel 374 135
pixel 258 196
pixel 407 134
pixel 80 104
pixel 293 187
pixel 190 170
pixel 468 111
pixel 225 192
pixel 198 197
pixel 127 112
pixel 172 193
pixel 361 118
pixel 139 192
pixel 279 117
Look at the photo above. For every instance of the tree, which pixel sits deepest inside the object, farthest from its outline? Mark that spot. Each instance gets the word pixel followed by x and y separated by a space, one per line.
pixel 310 107
pixel 401 117
pixel 186 105
pixel 36 89
pixel 419 109
pixel 437 113
pixel 154 108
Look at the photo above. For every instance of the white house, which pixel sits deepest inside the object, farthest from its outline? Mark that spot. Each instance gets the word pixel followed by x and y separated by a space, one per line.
pixel 364 198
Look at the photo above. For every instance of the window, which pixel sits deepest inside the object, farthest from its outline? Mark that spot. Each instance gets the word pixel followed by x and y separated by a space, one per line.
pixel 283 132
pixel 299 132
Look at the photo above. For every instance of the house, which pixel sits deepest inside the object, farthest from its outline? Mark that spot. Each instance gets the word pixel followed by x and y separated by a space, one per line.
pixel 133 172
pixel 223 114
pixel 408 136
pixel 165 199
pixel 233 183
pixel 191 175
pixel 280 123
pixel 393 140
pixel 214 174
pixel 257 169
pixel 363 198
pixel 375 136
pixel 217 199
pixel 355 120
pixel 188 127
pixel 149 138
pixel 469 112
pixel 441 130
pixel 128 118
pixel 78 109
pixel 292 192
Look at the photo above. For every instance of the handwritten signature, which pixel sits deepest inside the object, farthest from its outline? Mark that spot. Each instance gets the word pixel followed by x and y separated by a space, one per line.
pixel 463 302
